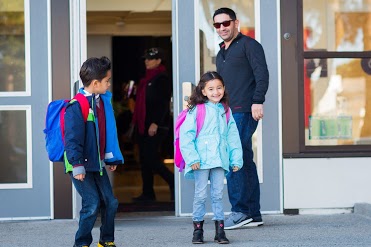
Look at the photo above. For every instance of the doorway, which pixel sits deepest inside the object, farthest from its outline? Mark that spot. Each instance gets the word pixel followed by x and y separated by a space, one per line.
pixel 128 65
pixel 122 31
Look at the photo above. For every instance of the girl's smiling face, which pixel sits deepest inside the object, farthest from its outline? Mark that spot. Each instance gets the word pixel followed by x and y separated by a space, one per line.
pixel 214 90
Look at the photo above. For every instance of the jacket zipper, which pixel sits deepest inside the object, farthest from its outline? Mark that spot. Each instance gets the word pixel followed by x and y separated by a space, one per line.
pixel 97 134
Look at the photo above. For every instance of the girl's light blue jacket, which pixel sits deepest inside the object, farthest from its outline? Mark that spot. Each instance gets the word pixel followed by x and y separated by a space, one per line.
pixel 217 144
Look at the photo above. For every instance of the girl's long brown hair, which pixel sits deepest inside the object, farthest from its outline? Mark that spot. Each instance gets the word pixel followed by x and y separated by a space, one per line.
pixel 198 98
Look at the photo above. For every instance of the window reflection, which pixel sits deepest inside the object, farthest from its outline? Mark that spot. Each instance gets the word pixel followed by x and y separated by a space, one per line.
pixel 12 46
pixel 209 39
pixel 337 25
pixel 337 90
pixel 339 102
pixel 13 147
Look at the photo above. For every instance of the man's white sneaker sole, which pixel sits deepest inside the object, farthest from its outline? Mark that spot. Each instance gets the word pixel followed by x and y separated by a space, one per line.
pixel 253 224
pixel 238 225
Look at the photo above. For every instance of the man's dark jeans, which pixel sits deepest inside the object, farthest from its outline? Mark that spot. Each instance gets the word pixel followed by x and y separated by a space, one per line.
pixel 243 186
pixel 96 193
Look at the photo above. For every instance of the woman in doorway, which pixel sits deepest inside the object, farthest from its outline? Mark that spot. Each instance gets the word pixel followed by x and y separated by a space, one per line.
pixel 151 118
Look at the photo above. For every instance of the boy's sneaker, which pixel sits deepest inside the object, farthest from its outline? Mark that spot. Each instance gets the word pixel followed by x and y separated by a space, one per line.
pixel 236 220
pixel 106 244
pixel 80 246
pixel 254 223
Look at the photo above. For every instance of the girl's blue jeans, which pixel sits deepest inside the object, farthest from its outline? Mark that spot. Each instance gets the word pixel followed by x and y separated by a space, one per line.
pixel 216 176
pixel 97 196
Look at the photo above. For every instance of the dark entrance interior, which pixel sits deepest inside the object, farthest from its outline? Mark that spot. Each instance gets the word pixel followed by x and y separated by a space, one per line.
pixel 128 64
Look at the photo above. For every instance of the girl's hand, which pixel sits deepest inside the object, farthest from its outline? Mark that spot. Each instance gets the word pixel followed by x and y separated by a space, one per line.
pixel 152 130
pixel 195 166
pixel 235 168
pixel 112 168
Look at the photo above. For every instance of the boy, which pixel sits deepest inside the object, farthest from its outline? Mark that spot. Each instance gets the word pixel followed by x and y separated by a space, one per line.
pixel 89 146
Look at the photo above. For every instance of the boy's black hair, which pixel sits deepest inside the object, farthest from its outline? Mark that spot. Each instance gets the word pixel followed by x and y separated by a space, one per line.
pixel 198 98
pixel 227 11
pixel 94 69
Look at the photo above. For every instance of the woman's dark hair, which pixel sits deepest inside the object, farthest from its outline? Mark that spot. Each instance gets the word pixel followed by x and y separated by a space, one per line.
pixel 197 96
pixel 227 11
pixel 94 69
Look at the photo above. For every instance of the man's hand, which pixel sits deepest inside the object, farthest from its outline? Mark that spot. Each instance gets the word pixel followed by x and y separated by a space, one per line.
pixel 152 130
pixel 257 111
pixel 80 177
pixel 235 168
pixel 195 166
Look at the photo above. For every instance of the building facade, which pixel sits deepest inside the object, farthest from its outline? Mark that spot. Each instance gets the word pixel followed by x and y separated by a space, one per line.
pixel 312 149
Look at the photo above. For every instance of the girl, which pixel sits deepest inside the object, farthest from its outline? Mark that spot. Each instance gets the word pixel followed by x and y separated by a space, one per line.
pixel 216 150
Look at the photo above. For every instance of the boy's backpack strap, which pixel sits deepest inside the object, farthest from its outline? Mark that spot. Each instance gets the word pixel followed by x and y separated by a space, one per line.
pixel 84 104
pixel 200 118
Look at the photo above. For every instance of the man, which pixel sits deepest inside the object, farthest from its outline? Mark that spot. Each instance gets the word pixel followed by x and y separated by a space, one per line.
pixel 241 63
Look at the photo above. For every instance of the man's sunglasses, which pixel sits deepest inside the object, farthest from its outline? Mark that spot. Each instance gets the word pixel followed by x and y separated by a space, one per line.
pixel 224 23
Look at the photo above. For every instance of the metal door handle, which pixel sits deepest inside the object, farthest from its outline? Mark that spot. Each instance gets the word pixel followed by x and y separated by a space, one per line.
pixel 187 91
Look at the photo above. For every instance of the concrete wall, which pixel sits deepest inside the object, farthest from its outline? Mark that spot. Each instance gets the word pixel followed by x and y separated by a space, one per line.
pixel 99 45
pixel 326 183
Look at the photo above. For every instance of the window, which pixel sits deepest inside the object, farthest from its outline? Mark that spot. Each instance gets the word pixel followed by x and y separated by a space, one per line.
pixel 13 145
pixel 15 120
pixel 336 75
pixel 12 47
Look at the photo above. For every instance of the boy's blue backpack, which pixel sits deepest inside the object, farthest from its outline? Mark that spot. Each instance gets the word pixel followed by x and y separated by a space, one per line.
pixel 200 119
pixel 54 125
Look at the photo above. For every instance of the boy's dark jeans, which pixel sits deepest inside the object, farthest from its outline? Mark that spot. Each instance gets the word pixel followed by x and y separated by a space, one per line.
pixel 96 193
pixel 243 186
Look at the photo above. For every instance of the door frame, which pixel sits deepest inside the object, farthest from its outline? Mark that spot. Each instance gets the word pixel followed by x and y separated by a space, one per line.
pixel 78 54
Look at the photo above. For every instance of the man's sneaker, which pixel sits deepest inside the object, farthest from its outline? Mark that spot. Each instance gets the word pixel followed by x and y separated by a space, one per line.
pixel 254 223
pixel 236 220
pixel 106 244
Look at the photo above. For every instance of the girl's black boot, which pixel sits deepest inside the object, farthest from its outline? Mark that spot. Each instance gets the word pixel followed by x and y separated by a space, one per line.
pixel 220 237
pixel 198 232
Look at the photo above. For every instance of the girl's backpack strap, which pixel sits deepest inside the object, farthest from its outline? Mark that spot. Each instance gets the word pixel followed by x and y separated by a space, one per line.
pixel 228 115
pixel 228 112
pixel 200 118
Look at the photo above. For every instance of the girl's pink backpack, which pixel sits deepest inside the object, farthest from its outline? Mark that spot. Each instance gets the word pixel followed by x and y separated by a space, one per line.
pixel 200 118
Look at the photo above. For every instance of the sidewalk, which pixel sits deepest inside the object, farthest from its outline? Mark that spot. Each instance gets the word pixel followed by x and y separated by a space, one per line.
pixel 133 230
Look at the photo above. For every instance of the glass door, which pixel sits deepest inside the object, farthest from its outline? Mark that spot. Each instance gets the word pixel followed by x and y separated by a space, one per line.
pixel 25 177
pixel 195 45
